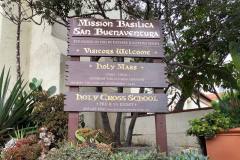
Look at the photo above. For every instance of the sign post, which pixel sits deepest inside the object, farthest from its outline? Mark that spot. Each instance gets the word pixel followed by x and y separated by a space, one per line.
pixel 116 38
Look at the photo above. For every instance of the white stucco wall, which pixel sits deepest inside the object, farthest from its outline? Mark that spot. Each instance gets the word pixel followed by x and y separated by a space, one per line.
pixel 8 47
pixel 189 104
pixel 45 56
pixel 177 124
pixel 1 19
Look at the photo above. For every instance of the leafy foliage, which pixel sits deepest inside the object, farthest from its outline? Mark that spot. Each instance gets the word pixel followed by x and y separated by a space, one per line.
pixel 227 109
pixel 235 53
pixel 69 151
pixel 48 112
pixel 197 36
pixel 230 107
pixel 189 155
pixel 225 116
pixel 21 133
pixel 55 11
pixel 209 125
pixel 15 105
pixel 25 148
pixel 93 136
pixel 204 30
pixel 36 86
pixel 137 155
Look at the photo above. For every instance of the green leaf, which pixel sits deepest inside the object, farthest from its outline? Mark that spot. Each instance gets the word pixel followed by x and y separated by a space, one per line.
pixel 51 90
pixel 80 138
pixel 14 105
pixel 235 53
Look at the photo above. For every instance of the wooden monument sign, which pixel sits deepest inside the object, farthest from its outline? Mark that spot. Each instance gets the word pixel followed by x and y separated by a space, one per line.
pixel 115 38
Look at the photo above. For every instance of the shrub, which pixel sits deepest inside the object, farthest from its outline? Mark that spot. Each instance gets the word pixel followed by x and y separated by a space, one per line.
pixel 15 105
pixel 137 155
pixel 92 136
pixel 48 112
pixel 101 146
pixel 230 107
pixel 209 125
pixel 25 148
pixel 225 116
pixel 71 152
pixel 189 155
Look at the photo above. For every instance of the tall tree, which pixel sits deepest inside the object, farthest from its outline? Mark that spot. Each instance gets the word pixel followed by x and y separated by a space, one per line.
pixel 55 11
pixel 197 36
pixel 18 12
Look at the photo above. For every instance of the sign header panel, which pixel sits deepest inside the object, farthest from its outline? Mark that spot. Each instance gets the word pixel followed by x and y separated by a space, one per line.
pixel 80 27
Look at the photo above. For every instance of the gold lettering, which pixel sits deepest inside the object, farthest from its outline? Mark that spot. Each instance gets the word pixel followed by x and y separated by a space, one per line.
pixel 79 31
pixel 98 51
pixel 105 66
pixel 94 23
pixel 120 33
pixel 132 52
pixel 138 24
pixel 127 67
pixel 142 98
pixel 106 97
pixel 82 97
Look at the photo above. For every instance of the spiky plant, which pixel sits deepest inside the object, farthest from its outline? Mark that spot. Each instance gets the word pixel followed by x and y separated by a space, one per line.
pixel 15 104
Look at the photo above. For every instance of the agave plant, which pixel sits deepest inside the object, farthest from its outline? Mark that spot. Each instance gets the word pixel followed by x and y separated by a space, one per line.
pixel 15 104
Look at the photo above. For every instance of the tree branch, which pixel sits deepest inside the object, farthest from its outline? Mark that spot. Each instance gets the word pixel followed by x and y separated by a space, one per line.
pixel 148 9
pixel 102 10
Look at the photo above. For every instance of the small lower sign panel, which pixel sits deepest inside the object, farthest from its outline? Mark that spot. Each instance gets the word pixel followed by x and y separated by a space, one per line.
pixel 115 102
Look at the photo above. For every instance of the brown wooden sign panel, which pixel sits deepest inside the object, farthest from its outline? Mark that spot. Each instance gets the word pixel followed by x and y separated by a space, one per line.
pixel 115 102
pixel 116 74
pixel 85 46
pixel 80 27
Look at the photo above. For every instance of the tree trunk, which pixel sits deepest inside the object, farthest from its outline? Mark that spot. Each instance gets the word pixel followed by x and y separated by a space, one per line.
pixel 117 135
pixel 117 131
pixel 134 118
pixel 18 47
pixel 131 125
pixel 105 119
pixel 106 124
pixel 202 143
pixel 130 130
pixel 179 106
pixel 104 115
